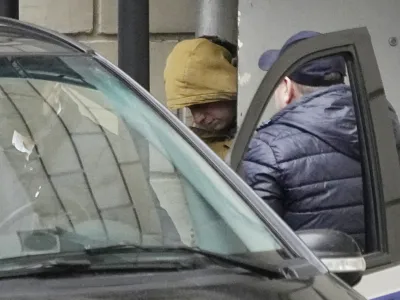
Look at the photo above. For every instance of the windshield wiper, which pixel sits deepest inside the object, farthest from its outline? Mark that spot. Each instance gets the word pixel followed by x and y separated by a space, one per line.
pixel 45 267
pixel 268 270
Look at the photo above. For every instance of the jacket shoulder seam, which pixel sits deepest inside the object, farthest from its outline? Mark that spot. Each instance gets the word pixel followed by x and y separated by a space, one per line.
pixel 308 155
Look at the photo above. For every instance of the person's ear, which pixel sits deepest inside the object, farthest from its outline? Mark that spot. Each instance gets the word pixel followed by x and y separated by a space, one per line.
pixel 288 92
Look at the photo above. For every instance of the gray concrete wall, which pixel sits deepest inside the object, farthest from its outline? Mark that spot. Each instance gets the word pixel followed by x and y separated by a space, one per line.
pixel 94 22
pixel 266 24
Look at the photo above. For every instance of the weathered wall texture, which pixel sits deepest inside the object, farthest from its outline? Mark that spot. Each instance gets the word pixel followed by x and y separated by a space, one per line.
pixel 267 24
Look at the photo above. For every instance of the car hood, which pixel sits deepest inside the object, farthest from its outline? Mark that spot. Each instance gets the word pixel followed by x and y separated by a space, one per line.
pixel 188 285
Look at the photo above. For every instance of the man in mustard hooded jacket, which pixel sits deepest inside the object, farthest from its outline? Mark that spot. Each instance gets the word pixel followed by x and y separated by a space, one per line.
pixel 200 75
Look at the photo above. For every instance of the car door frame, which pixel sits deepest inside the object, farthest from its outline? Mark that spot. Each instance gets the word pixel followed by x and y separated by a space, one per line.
pixel 378 148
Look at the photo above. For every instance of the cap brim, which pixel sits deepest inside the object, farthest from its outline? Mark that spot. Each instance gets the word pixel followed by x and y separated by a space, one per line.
pixel 267 59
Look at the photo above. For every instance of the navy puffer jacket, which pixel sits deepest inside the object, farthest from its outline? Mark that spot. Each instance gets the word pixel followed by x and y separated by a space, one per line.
pixel 305 163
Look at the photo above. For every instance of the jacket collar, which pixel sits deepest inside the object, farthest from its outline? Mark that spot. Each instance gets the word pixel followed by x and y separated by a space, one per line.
pixel 301 101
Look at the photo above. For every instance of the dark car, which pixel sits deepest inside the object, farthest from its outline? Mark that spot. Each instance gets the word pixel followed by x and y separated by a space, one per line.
pixel 105 194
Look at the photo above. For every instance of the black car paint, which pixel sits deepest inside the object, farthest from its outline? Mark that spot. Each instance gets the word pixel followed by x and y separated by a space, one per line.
pixel 200 284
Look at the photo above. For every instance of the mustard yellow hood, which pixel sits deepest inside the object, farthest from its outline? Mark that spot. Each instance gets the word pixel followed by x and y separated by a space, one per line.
pixel 198 71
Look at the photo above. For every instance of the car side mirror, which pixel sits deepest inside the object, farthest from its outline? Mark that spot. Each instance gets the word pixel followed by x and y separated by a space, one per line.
pixel 338 251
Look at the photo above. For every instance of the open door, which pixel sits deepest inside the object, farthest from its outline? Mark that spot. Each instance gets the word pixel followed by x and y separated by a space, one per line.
pixel 380 162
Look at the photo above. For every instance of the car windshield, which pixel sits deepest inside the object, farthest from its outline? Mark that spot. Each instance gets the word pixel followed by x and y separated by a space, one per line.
pixel 82 153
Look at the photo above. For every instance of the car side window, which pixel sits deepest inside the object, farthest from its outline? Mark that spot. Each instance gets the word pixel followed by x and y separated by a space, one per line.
pixel 83 153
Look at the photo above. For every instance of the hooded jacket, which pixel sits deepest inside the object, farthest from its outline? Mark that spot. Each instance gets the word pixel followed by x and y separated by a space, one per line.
pixel 199 71
pixel 305 163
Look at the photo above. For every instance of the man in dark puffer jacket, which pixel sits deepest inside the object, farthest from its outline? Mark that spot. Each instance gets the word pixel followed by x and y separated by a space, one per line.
pixel 305 162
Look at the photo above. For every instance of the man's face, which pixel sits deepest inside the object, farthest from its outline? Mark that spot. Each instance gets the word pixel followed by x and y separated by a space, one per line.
pixel 214 116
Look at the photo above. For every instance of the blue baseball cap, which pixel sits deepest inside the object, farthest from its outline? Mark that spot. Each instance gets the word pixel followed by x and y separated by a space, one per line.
pixel 312 73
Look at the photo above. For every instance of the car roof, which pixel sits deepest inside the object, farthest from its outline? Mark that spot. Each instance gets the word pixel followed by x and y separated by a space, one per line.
pixel 22 37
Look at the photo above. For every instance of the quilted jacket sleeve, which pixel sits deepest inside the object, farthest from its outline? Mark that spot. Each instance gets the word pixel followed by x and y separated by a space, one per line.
pixel 396 126
pixel 261 172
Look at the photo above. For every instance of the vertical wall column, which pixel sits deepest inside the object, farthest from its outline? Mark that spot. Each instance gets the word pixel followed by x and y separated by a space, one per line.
pixel 133 40
pixel 218 18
